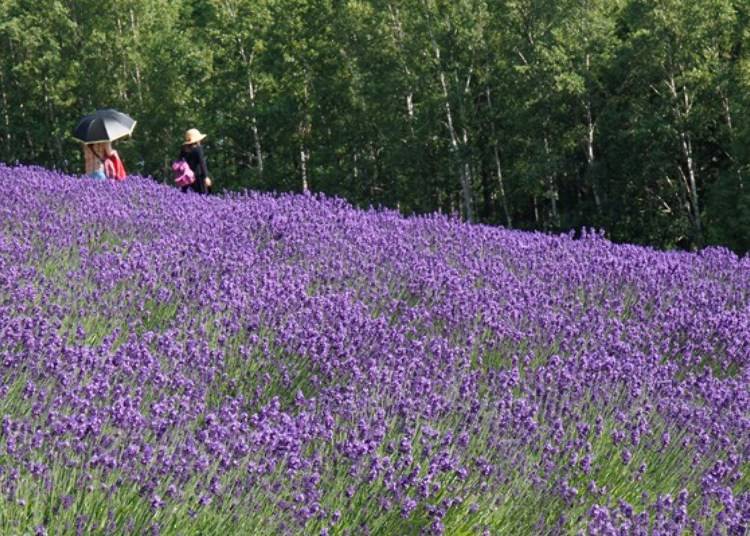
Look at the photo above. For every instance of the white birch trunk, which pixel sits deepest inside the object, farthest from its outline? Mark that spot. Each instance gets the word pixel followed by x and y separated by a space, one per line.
pixel 682 108
pixel 551 187
pixel 590 155
pixel 137 73
pixel 6 116
pixel 410 109
pixel 590 132
pixel 254 115
pixel 125 74
pixel 375 175
pixel 398 33
pixel 254 126
pixel 501 186
pixel 304 156
pixel 550 178
pixel 590 135
pixel 464 171
pixel 467 179
pixel 687 151
pixel 498 167
pixel 305 129
pixel 730 126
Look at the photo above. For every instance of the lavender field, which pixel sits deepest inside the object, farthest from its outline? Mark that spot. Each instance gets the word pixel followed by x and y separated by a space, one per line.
pixel 257 364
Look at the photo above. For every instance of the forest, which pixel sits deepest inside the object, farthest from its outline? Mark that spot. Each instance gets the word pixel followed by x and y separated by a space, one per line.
pixel 626 116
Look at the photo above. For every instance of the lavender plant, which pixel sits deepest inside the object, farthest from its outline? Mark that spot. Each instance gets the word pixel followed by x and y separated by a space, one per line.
pixel 287 364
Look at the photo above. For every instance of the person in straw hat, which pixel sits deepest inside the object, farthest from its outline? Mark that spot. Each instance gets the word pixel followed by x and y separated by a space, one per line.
pixel 192 153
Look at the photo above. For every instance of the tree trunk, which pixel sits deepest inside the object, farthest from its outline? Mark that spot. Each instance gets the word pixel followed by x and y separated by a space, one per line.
pixel 467 181
pixel 461 164
pixel 730 126
pixel 398 33
pixel 501 186
pixel 305 129
pixel 57 149
pixel 549 180
pixel 374 181
pixel 410 109
pixel 590 156
pixel 682 108
pixel 6 138
pixel 137 69
pixel 304 157
pixel 498 167
pixel 687 151
pixel 254 115
pixel 254 126
pixel 121 85
pixel 552 193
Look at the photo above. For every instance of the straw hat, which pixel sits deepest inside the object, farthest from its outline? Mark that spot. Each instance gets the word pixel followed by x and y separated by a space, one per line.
pixel 193 136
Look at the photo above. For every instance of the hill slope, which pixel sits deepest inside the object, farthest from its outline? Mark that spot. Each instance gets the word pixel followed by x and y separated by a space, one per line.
pixel 288 364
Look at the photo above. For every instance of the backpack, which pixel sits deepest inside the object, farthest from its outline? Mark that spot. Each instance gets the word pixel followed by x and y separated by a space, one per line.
pixel 183 175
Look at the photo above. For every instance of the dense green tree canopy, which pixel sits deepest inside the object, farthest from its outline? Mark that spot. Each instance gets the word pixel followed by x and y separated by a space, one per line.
pixel 626 115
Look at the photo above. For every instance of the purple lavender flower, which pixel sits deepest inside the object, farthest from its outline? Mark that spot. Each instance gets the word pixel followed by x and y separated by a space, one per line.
pixel 157 503
pixel 66 501
pixel 310 353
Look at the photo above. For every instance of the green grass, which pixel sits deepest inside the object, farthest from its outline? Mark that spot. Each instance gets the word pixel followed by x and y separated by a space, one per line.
pixel 102 507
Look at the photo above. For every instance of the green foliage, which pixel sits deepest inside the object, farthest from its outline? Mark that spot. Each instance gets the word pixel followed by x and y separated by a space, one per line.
pixel 728 213
pixel 627 115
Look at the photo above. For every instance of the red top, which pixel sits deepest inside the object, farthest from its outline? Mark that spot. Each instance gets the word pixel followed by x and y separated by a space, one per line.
pixel 113 167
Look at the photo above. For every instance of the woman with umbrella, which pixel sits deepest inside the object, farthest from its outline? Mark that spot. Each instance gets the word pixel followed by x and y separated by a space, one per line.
pixel 102 161
pixel 96 132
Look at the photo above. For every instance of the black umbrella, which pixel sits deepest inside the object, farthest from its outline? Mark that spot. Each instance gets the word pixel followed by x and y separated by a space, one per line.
pixel 103 125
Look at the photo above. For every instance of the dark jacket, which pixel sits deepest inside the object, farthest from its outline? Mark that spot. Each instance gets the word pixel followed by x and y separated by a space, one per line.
pixel 197 162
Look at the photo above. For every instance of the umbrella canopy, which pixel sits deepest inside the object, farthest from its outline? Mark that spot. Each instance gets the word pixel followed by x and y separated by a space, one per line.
pixel 107 124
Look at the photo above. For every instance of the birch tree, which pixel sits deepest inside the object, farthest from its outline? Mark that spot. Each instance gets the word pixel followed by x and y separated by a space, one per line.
pixel 240 29
pixel 684 44
pixel 590 41
pixel 534 48
pixel 456 34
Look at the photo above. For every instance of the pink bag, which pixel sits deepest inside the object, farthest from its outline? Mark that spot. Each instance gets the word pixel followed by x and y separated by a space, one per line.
pixel 183 175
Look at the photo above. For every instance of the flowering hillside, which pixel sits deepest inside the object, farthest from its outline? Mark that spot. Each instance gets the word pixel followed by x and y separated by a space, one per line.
pixel 260 364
